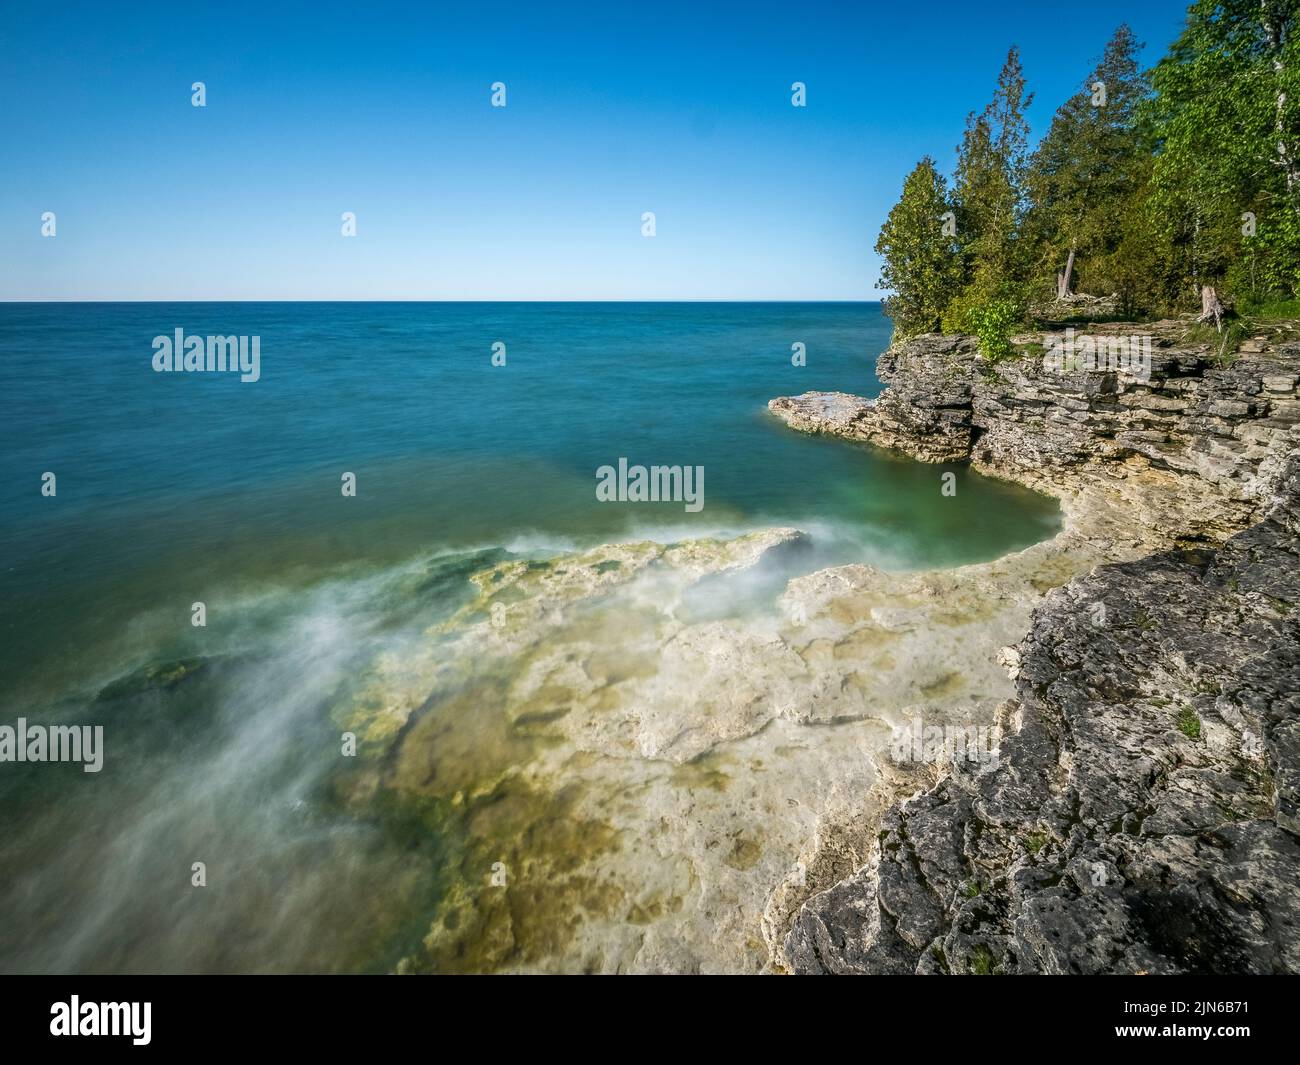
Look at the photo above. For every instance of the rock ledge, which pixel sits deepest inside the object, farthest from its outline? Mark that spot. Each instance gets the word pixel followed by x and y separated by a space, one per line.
pixel 1144 811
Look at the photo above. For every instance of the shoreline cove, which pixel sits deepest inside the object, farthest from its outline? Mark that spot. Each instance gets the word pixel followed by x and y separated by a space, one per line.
pixel 588 736
pixel 681 756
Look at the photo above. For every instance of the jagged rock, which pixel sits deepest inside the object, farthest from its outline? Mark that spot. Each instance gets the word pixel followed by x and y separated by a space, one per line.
pixel 1181 447
pixel 1144 810
pixel 832 413
pixel 1143 814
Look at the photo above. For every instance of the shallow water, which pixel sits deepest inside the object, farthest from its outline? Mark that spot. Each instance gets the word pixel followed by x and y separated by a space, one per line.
pixel 177 488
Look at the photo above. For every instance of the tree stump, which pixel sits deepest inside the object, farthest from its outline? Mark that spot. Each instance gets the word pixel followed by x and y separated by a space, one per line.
pixel 1212 307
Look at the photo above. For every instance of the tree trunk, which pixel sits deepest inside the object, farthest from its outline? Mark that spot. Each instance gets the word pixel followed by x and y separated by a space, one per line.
pixel 1212 307
pixel 1286 157
pixel 1196 243
pixel 1065 277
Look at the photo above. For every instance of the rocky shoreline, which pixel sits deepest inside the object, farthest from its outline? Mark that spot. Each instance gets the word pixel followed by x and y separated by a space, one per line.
pixel 1141 815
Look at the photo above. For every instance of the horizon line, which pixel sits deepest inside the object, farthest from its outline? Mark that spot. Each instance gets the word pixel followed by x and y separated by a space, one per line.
pixel 700 299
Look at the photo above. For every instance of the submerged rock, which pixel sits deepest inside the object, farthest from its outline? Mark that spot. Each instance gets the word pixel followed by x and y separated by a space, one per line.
pixel 163 676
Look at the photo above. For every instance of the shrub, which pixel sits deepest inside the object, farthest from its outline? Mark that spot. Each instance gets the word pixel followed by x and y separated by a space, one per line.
pixel 992 323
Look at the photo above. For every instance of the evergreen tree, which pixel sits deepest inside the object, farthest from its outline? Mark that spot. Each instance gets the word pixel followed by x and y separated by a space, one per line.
pixel 1088 170
pixel 921 260
pixel 989 192
pixel 1161 187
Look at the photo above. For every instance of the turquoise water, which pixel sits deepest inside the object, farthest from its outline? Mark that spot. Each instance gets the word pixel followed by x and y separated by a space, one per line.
pixel 177 488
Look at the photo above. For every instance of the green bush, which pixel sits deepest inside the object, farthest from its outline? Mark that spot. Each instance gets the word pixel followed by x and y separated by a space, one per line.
pixel 992 323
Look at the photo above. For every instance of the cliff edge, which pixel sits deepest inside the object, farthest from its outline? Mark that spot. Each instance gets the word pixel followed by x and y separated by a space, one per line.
pixel 1143 811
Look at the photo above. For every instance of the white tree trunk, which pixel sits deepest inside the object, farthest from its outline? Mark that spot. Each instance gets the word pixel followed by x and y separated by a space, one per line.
pixel 1212 307
pixel 1065 278
pixel 1286 157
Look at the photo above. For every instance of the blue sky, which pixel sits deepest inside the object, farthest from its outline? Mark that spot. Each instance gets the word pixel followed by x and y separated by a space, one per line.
pixel 383 109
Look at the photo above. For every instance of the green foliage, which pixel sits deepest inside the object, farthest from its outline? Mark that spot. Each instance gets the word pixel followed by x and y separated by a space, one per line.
pixel 1222 340
pixel 1226 117
pixel 1267 268
pixel 921 263
pixel 989 188
pixel 982 962
pixel 1182 177
pixel 1089 170
pixel 992 323
pixel 1140 268
pixel 1273 309
pixel 1189 724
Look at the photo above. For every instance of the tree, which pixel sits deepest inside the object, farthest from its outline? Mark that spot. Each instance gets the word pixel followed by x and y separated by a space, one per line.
pixel 1167 188
pixel 1226 115
pixel 989 194
pixel 921 259
pixel 1089 167
pixel 1140 268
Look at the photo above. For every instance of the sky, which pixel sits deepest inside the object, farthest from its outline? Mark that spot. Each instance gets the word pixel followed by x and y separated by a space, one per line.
pixel 384 110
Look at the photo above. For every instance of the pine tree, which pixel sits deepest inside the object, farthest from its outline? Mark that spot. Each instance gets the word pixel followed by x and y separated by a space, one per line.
pixel 1088 169
pixel 921 259
pixel 989 191
pixel 1162 187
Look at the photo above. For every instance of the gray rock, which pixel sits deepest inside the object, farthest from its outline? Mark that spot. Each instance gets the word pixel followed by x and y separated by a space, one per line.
pixel 832 413
pixel 1144 811
pixel 1074 431
pixel 1142 818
